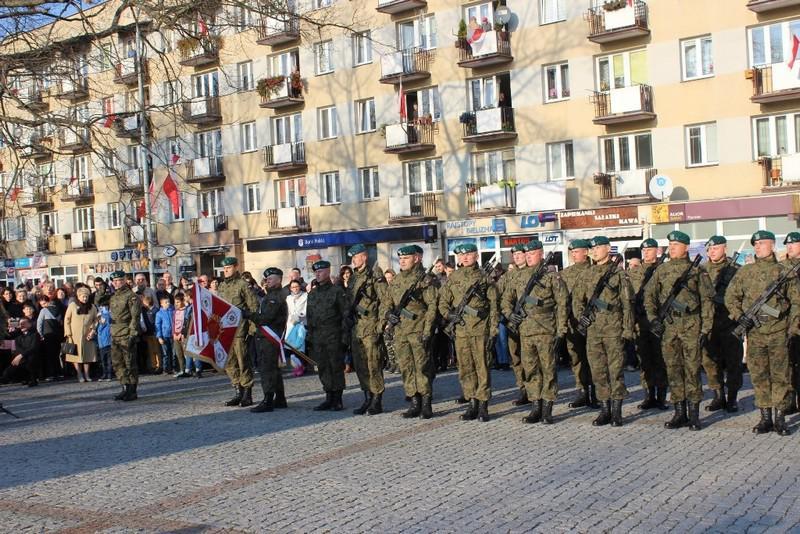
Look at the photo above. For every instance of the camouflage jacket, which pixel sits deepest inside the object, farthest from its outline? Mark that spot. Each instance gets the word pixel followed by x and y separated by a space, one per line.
pixel 695 299
pixel 236 291
pixel 124 308
pixel 613 312
pixel 366 312
pixel 636 277
pixel 480 313
pixel 420 314
pixel 272 312
pixel 721 275
pixel 546 306
pixel 326 309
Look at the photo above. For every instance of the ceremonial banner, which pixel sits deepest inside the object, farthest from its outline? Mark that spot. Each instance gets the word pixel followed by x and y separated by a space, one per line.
pixel 214 324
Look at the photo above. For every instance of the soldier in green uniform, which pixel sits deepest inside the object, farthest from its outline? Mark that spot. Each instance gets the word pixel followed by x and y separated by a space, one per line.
pixel 325 322
pixel 365 290
pixel 688 325
pixel 611 328
pixel 653 374
pixel 576 343
pixel 472 338
pixel 767 351
pixel 506 281
pixel 722 355
pixel 412 328
pixel 125 308
pixel 541 324
pixel 792 243
pixel 235 290
pixel 272 313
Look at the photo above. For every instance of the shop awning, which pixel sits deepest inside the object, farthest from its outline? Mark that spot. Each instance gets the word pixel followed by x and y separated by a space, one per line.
pixel 617 232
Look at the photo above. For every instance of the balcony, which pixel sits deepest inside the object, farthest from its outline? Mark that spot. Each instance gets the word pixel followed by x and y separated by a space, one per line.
pixel 273 31
pixel 405 137
pixel 780 173
pixel 494 48
pixel 208 225
pixel 393 7
pixel 80 241
pixel 199 51
pixel 407 65
pixel 127 71
pixel 202 110
pixel 493 199
pixel 133 181
pixel 72 89
pixel 42 245
pixel 625 22
pixel 627 104
pixel 79 192
pixel 134 235
pixel 75 141
pixel 127 127
pixel 774 83
pixel 40 198
pixel 32 99
pixel 625 187
pixel 36 149
pixel 284 95
pixel 763 6
pixel 285 157
pixel 492 124
pixel 417 207
pixel 289 220
pixel 205 170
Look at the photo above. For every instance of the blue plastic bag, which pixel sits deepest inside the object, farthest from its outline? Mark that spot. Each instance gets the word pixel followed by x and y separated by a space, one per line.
pixel 296 338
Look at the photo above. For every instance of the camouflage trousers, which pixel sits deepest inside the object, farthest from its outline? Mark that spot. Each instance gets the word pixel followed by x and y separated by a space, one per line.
pixel 576 346
pixel 416 366
pixel 368 362
pixel 681 349
pixel 238 366
pixel 722 358
pixel 515 351
pixel 768 363
pixel 606 357
pixel 124 360
pixel 539 365
pixel 268 366
pixel 653 369
pixel 473 367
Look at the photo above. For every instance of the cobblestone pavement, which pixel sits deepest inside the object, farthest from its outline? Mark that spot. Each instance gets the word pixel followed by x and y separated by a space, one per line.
pixel 179 461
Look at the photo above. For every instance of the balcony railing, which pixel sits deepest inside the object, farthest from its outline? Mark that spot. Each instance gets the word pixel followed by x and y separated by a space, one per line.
pixel 276 31
pixel 82 241
pixel 285 95
pixel 626 104
pixel 494 48
pixel 285 157
pixel 127 71
pixel 762 6
pixel 491 124
pixel 492 199
pixel 775 83
pixel 35 149
pixel 127 127
pixel 205 51
pixel 624 186
pixel 207 169
pixel 780 172
pixel 43 245
pixel 40 197
pixel 134 235
pixel 77 191
pixel 75 140
pixel 211 224
pixel 392 7
pixel 413 208
pixel 32 98
pixel 406 137
pixel 202 110
pixel 406 65
pixel 289 220
pixel 70 89
pixel 626 22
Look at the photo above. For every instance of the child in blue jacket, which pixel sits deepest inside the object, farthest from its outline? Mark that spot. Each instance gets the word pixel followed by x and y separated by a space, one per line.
pixel 104 343
pixel 164 318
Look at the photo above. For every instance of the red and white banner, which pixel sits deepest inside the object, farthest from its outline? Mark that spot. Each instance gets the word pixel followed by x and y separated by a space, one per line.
pixel 276 340
pixel 214 325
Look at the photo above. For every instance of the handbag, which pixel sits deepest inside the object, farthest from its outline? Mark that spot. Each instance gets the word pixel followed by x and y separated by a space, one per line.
pixel 69 349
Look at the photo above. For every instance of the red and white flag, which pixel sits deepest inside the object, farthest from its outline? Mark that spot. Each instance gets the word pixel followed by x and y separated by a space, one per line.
pixel 170 188
pixel 276 340
pixel 214 325
pixel 109 120
pixel 402 103
pixel 201 25
pixel 795 47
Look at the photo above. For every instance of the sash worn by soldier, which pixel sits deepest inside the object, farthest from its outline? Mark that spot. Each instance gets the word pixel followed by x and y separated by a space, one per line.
pixel 792 243
pixel 272 313
pixel 508 280
pixel 125 308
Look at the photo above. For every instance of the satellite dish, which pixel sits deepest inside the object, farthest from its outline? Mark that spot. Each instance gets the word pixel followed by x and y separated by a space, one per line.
pixel 660 186
pixel 502 15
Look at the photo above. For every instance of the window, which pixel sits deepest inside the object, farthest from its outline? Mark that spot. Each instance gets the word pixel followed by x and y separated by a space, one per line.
pixel 482 91
pixel 493 166
pixel 206 84
pixel 479 13
pixel 80 170
pixel 242 18
pixel 322 3
pixel 428 103
pixel 173 148
pixel 287 129
pixel 284 64
pixel 776 135
pixel 48 223
pixel 768 43
pixel 551 11
pixel 370 187
pixel 252 194
pixel 210 203
pixel 330 188
pixel 423 176
pixel 417 33
pixel 617 156
pixel 622 70
pixel 180 215
pixel 84 219
pixel 291 192
pixel 208 144
pixel 114 219
pixel 13 229
pixel 557 79
pixel 249 140
pixel 46 174
pixel 245 71
pixel 169 91
pixel 697 58
pixel 326 122
pixel 362 48
pixel 701 145
pixel 323 57
pixel 365 115
pixel 104 54
pixel 560 161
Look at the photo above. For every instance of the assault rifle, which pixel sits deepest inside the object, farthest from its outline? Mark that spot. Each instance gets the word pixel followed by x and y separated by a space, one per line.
pixel 749 318
pixel 519 306
pixel 657 327
pixel 595 303
pixel 639 300
pixel 395 314
pixel 350 318
pixel 456 317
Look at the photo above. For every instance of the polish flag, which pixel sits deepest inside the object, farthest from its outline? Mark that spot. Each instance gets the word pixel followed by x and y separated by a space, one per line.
pixel 170 188
pixel 795 47
pixel 403 113
pixel 109 120
pixel 201 25
pixel 14 194
pixel 174 159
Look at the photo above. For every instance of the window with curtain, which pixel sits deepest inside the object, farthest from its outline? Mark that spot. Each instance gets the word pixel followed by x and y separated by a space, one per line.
pixel 697 58
pixel 370 186
pixel 424 176
pixel 560 161
pixel 331 188
pixel 622 70
pixel 557 82
pixel 551 11
pixel 701 144
pixel 365 115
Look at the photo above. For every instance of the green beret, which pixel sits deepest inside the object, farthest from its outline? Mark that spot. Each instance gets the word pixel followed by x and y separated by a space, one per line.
pixel 418 249
pixel 578 243
pixel 534 244
pixel 273 270
pixel 468 247
pixel 762 235
pixel 408 250
pixel 716 240
pixel 792 237
pixel 117 274
pixel 230 260
pixel 321 264
pixel 649 243
pixel 679 236
pixel 599 240
pixel 519 247
pixel 356 249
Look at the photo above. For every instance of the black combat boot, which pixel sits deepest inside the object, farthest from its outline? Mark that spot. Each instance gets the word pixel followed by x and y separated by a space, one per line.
pixel 547 412
pixel 427 409
pixel 472 411
pixel 694 415
pixel 247 398
pixel 616 412
pixel 121 395
pixel 336 404
pixel 765 423
pixel 536 413
pixel 661 398
pixel 581 399
pixel 326 404
pixel 593 403
pixel 605 414
pixel 264 406
pixel 361 410
pixel 483 411
pixel 377 405
pixel 792 409
pixel 719 401
pixel 415 408
pixel 780 423
pixel 130 393
pixel 280 400
pixel 236 399
pixel 650 400
pixel 679 418
pixel 523 398
pixel 731 405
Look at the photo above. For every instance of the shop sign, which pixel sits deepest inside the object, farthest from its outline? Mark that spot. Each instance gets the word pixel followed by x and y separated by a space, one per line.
pixel 600 218
pixel 127 266
pixel 127 254
pixel 473 227
pixel 22 263
pixel 740 207
pixel 551 238
pixel 667 213
pixel 508 242
pixel 537 220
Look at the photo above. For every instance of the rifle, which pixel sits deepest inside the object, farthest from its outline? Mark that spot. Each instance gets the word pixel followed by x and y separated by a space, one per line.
pixel 519 306
pixel 9 412
pixel 400 311
pixel 749 319
pixel 588 314
pixel 657 328
pixel 456 318
pixel 350 319
pixel 639 300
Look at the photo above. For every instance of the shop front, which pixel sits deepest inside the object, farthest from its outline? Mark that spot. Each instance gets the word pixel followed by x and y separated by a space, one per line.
pixel 621 224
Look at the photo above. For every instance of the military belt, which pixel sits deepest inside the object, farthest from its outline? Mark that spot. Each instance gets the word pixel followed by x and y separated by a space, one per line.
pixel 535 301
pixel 602 306
pixel 480 314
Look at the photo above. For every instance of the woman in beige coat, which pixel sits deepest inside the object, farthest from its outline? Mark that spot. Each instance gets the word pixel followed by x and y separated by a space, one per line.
pixel 80 323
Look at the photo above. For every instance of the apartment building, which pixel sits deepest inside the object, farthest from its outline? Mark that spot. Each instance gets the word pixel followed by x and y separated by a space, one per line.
pixel 432 122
